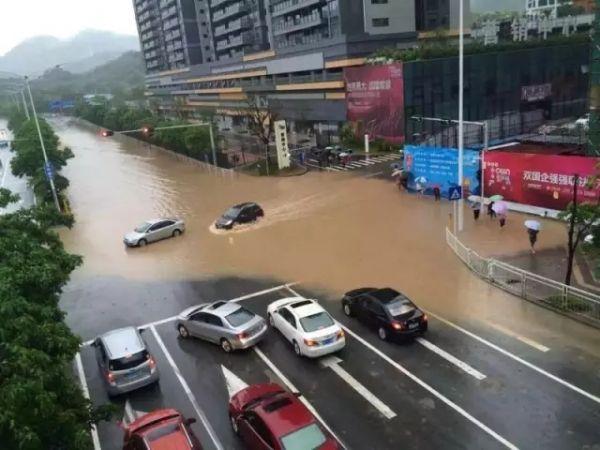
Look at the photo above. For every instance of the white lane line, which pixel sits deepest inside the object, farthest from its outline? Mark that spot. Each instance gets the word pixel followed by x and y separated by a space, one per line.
pixel 451 359
pixel 293 388
pixel 523 339
pixel 518 359
pixel 333 362
pixel 236 299
pixel 86 394
pixel 373 174
pixel 424 385
pixel 129 413
pixel 431 390
pixel 188 391
pixel 338 167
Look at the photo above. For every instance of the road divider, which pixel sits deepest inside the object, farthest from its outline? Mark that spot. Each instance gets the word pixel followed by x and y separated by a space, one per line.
pixel 451 359
pixel 333 363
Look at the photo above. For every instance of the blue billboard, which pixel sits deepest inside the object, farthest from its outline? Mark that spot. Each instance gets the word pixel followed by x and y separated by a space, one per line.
pixel 59 105
pixel 438 166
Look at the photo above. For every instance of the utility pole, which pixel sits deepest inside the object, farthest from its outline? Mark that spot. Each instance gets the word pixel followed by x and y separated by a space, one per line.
pixel 37 124
pixel 25 104
pixel 212 144
pixel 461 96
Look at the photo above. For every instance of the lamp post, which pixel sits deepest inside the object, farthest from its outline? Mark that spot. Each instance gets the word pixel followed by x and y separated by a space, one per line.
pixel 461 135
pixel 25 104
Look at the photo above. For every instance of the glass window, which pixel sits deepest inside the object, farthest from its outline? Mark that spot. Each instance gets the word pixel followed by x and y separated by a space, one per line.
pixel 213 320
pixel 400 306
pixel 129 362
pixel 158 433
pixel 381 22
pixel 316 322
pixel 231 213
pixel 259 427
pixel 143 227
pixel 239 317
pixel 310 436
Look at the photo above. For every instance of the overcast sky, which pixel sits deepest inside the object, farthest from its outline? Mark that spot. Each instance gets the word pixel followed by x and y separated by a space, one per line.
pixel 21 19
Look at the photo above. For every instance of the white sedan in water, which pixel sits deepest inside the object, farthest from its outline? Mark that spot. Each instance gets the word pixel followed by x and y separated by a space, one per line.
pixel 307 326
pixel 154 230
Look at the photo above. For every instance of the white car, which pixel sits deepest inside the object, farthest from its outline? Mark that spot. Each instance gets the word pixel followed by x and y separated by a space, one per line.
pixel 308 327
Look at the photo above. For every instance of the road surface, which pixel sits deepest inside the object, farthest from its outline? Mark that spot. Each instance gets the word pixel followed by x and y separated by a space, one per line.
pixel 492 372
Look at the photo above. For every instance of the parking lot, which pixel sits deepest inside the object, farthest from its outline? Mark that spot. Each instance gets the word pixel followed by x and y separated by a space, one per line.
pixel 458 386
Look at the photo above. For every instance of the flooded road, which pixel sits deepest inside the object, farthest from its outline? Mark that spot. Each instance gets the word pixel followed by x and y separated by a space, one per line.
pixel 332 233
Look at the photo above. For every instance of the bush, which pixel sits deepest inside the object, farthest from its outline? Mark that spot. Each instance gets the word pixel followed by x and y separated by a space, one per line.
pixel 571 304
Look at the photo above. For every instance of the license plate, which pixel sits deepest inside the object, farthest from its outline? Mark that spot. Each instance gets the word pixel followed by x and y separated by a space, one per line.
pixel 412 326
pixel 131 375
pixel 327 341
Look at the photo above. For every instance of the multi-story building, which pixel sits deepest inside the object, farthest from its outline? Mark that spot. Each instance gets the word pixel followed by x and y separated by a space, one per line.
pixel 535 8
pixel 287 53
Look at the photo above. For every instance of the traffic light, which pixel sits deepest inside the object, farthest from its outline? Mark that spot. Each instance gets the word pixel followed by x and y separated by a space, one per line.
pixel 107 133
pixel 148 130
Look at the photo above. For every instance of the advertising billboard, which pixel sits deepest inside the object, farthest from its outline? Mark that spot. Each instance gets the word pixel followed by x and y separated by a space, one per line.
pixel 540 180
pixel 375 101
pixel 439 167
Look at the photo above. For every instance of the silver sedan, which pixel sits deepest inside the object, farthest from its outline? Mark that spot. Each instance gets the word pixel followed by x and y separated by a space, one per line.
pixel 154 230
pixel 228 324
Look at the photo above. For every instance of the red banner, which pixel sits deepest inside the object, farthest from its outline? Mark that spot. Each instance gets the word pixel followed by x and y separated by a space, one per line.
pixel 540 180
pixel 375 100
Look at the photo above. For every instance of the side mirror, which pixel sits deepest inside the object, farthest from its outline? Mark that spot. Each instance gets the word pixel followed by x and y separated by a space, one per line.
pixel 190 420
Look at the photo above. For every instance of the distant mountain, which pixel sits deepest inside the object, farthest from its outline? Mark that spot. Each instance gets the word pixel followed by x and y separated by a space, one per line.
pixel 485 6
pixel 80 53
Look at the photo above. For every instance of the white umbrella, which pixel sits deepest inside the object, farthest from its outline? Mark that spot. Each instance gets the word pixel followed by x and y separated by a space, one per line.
pixel 500 207
pixel 421 180
pixel 397 172
pixel 533 225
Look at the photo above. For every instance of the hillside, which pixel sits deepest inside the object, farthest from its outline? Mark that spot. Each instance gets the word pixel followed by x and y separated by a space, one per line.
pixel 78 54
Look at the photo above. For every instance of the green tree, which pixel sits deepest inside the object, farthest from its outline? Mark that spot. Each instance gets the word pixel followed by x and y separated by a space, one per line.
pixel 197 141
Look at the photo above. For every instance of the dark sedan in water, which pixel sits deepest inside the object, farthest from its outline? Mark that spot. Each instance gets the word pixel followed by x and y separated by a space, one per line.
pixel 386 310
pixel 239 214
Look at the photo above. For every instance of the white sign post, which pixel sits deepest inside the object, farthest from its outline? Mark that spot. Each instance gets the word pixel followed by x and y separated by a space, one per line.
pixel 367 146
pixel 281 142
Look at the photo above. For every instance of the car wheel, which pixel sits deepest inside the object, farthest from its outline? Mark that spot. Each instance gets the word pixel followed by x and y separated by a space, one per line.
pixel 183 332
pixel 347 309
pixel 176 233
pixel 271 322
pixel 234 425
pixel 142 242
pixel 382 333
pixel 297 349
pixel 226 345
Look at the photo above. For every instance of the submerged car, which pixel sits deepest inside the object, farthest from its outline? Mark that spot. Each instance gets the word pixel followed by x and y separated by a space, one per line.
pixel 154 230
pixel 386 310
pixel 228 324
pixel 267 417
pixel 239 214
pixel 161 429
pixel 124 361
pixel 307 326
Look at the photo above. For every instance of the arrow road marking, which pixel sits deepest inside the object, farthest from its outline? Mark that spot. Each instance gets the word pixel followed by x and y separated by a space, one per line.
pixel 234 383
pixel 451 359
pixel 333 363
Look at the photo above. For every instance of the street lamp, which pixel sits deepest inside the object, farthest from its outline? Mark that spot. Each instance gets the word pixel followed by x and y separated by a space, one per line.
pixel 461 135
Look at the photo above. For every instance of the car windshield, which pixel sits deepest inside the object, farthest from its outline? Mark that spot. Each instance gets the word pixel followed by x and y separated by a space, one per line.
pixel 239 317
pixel 307 438
pixel 400 306
pixel 316 322
pixel 231 213
pixel 129 362
pixel 143 227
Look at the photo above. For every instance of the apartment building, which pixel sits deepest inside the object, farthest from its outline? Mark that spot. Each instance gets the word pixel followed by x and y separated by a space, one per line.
pixel 287 53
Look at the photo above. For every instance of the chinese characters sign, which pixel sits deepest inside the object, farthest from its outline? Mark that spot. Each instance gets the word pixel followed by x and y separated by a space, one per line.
pixel 536 92
pixel 375 100
pixel 539 180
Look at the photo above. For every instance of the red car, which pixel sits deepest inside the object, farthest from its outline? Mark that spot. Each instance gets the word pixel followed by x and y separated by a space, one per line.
pixel 266 416
pixel 163 429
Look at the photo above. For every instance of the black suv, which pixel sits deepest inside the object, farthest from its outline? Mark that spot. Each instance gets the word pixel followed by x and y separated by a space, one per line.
pixel 238 214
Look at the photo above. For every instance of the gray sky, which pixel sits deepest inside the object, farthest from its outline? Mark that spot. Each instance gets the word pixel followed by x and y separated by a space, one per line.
pixel 21 19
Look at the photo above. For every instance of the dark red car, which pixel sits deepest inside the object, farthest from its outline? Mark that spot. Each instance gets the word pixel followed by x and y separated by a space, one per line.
pixel 266 416
pixel 163 429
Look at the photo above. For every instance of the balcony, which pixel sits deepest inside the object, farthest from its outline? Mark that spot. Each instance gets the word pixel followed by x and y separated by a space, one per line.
pixel 215 3
pixel 175 34
pixel 172 11
pixel 146 16
pixel 149 45
pixel 176 45
pixel 289 26
pixel 289 6
pixel 142 7
pixel 230 11
pixel 166 3
pixel 175 57
pixel 149 35
pixel 242 39
pixel 240 24
pixel 169 24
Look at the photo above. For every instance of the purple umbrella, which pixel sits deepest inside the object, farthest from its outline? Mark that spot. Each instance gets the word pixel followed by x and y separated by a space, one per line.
pixel 500 208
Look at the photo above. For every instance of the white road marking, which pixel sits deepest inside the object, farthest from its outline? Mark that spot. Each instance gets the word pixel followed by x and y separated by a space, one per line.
pixel 373 174
pixel 525 340
pixel 86 394
pixel 451 359
pixel 338 167
pixel 431 390
pixel 188 391
pixel 293 388
pixel 236 299
pixel 130 415
pixel 333 363
pixel 424 385
pixel 518 359
pixel 234 383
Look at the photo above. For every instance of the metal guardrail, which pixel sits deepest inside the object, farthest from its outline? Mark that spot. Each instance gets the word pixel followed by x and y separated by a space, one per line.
pixel 574 302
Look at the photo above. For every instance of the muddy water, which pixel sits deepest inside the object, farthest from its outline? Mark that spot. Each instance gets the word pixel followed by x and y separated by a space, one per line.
pixel 335 232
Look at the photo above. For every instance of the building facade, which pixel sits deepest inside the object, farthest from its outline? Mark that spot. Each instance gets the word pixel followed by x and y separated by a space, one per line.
pixel 289 54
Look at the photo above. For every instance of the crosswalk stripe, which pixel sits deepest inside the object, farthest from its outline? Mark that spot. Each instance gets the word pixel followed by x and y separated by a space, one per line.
pixel 339 167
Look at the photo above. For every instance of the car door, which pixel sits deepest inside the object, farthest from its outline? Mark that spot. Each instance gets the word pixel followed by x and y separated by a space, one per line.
pixel 197 325
pixel 362 309
pixel 166 230
pixel 214 328
pixel 153 233
pixel 288 325
pixel 254 432
pixel 377 314
pixel 243 215
pixel 100 355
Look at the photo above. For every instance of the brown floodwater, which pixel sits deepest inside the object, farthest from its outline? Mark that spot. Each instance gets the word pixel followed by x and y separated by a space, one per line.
pixel 331 231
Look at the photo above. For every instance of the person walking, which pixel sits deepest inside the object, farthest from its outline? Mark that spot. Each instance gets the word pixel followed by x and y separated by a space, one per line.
pixel 533 228
pixel 476 210
pixel 490 210
pixel 502 218
pixel 436 193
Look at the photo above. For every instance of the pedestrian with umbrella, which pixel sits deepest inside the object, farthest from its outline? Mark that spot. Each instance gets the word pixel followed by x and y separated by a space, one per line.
pixel 420 183
pixel 500 208
pixel 476 206
pixel 533 228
